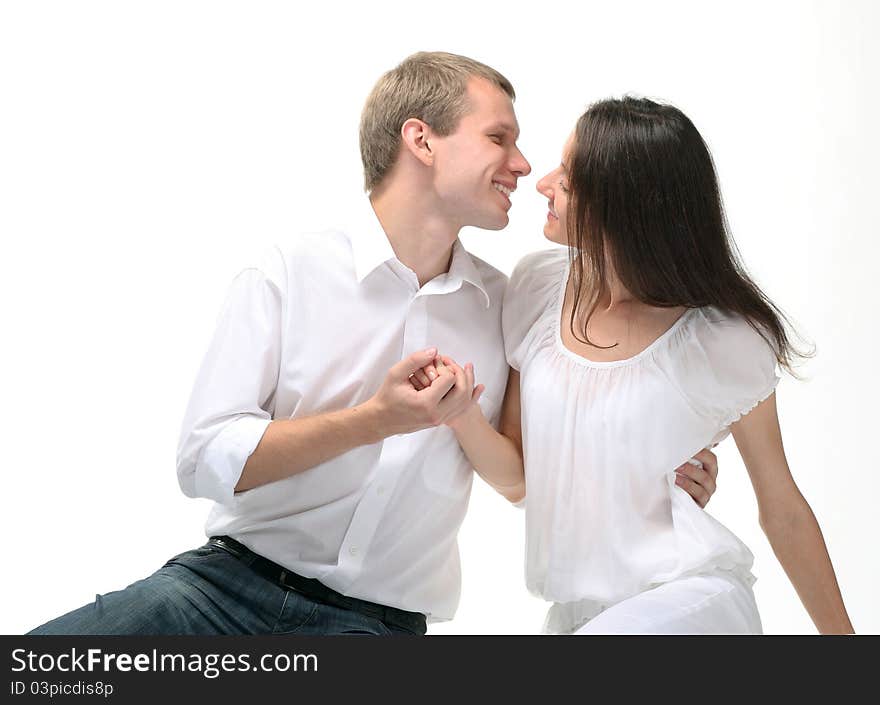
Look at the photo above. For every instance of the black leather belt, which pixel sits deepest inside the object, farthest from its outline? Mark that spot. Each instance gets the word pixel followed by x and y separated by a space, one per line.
pixel 410 621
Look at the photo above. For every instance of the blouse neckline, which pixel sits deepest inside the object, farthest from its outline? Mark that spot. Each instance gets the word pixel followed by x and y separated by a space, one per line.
pixel 586 362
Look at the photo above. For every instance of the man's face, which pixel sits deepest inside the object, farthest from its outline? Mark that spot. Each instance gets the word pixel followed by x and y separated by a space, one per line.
pixel 477 166
pixel 555 187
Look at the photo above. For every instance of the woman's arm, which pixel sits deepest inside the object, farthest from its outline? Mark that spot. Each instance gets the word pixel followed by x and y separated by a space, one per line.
pixel 787 519
pixel 497 457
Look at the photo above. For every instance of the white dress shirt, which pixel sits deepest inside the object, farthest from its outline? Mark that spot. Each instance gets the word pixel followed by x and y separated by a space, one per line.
pixel 314 328
pixel 601 440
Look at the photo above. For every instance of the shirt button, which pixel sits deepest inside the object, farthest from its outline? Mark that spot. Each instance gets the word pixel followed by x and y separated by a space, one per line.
pixel 353 550
pixel 380 489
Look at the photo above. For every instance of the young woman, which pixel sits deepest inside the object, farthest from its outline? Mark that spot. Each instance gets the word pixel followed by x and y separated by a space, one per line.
pixel 643 341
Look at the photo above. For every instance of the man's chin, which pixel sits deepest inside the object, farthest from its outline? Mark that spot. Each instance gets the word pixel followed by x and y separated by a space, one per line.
pixel 485 221
pixel 497 223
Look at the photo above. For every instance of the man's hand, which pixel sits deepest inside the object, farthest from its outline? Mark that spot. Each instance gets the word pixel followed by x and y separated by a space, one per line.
pixel 403 408
pixel 470 394
pixel 697 481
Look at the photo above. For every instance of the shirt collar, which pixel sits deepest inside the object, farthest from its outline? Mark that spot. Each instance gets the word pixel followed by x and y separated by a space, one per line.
pixel 371 248
pixel 463 269
pixel 369 243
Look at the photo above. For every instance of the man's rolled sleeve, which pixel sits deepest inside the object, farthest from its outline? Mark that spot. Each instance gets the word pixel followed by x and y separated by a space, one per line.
pixel 233 398
pixel 224 457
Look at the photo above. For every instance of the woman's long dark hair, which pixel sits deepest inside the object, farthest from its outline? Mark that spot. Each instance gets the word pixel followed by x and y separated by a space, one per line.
pixel 644 194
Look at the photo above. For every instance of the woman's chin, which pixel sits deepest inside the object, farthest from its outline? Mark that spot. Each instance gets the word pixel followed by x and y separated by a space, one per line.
pixel 553 236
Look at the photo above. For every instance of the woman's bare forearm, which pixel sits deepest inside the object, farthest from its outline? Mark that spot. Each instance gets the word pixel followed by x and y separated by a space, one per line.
pixel 797 541
pixel 495 457
pixel 787 519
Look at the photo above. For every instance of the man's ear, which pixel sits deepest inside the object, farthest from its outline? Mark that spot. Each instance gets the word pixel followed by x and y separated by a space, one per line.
pixel 416 137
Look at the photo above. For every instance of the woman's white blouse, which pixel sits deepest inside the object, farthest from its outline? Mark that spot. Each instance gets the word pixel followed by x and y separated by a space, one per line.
pixel 601 440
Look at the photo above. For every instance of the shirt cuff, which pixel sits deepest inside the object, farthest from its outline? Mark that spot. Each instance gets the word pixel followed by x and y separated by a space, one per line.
pixel 223 459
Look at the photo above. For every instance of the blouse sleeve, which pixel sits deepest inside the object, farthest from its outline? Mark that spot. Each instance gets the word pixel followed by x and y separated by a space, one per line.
pixel 529 293
pixel 728 367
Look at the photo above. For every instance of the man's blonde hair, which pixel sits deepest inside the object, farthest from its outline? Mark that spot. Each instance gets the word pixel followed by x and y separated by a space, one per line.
pixel 430 86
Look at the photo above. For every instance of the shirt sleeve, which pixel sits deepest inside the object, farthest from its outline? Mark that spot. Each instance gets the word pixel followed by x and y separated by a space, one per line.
pixel 232 401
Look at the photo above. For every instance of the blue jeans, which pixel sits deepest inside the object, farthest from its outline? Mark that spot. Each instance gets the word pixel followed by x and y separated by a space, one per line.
pixel 209 591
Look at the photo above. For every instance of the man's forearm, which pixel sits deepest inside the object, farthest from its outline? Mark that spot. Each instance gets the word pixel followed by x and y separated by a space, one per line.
pixel 797 542
pixel 495 457
pixel 291 446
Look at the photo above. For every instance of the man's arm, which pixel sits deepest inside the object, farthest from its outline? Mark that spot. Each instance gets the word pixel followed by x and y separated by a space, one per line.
pixel 229 441
pixel 291 446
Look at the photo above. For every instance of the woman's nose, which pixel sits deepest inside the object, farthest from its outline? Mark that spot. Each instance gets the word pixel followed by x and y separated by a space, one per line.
pixel 543 187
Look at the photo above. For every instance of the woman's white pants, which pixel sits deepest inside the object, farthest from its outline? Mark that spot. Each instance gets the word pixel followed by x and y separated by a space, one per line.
pixel 720 602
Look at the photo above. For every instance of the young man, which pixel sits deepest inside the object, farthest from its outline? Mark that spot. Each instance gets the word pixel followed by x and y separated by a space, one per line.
pixel 338 488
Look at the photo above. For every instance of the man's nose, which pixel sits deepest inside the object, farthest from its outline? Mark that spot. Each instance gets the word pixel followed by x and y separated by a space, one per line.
pixel 519 165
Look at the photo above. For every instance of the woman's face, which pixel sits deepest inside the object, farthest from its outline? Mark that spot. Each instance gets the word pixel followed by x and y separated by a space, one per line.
pixel 555 187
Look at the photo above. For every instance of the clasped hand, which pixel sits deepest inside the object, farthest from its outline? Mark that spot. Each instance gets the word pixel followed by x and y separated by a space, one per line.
pixel 426 390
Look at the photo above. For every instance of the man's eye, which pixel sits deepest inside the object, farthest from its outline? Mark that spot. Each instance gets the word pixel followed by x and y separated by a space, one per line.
pixel 497 139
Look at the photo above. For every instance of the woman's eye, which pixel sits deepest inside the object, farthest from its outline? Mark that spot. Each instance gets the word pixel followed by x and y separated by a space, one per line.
pixel 563 186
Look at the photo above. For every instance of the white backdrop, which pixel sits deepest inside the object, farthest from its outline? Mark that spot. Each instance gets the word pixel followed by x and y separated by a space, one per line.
pixel 148 149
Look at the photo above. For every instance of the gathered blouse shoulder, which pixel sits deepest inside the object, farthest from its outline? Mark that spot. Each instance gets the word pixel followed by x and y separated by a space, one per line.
pixel 723 365
pixel 529 294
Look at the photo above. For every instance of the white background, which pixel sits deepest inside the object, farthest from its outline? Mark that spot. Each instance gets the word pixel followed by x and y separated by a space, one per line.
pixel 148 149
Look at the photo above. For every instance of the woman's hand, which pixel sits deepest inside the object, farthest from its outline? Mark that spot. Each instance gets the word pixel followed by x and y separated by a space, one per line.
pixel 424 378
